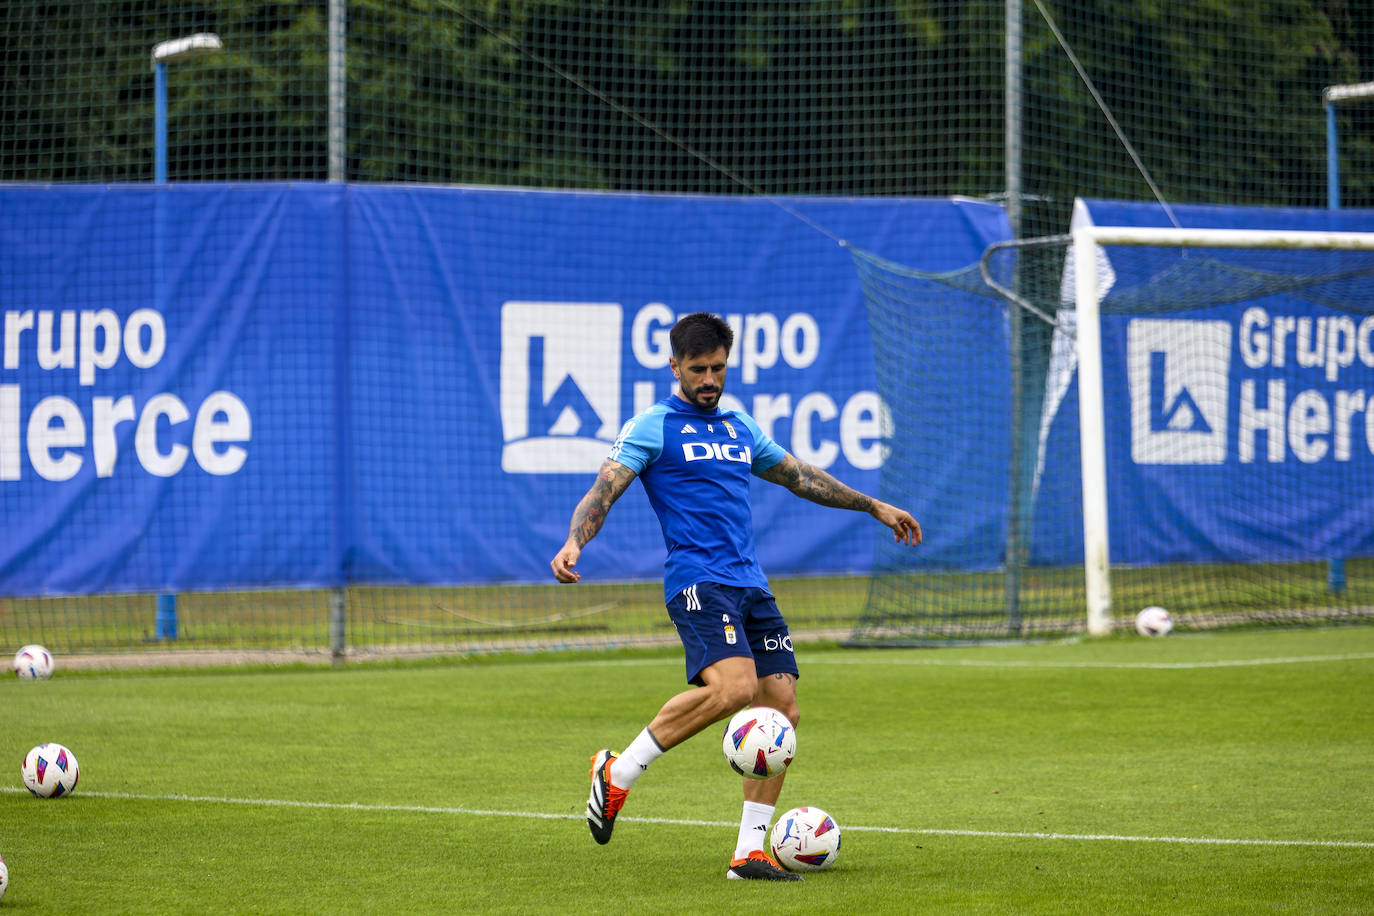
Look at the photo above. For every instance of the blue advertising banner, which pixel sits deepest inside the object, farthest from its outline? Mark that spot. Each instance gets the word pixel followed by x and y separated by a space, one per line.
pixel 166 391
pixel 211 387
pixel 1239 428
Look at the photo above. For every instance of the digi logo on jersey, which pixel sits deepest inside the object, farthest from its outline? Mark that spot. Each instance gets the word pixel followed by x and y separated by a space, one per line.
pixel 729 451
pixel 560 385
pixel 1178 372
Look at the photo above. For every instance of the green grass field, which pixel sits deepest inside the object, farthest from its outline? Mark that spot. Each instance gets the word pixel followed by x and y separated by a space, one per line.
pixel 1211 773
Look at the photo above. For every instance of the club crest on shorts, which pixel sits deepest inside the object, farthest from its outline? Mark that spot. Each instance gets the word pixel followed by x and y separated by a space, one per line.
pixel 730 637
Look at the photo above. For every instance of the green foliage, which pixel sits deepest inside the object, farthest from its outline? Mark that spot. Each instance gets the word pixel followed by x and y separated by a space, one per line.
pixel 1122 776
pixel 1221 99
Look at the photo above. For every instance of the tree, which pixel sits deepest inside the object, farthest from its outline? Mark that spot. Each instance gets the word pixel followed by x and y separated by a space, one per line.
pixel 1220 97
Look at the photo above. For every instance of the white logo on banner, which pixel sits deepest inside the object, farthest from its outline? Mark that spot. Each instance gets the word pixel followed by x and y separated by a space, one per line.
pixel 1178 372
pixel 560 385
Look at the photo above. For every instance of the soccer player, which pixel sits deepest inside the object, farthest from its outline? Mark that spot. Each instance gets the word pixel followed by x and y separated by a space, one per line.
pixel 694 461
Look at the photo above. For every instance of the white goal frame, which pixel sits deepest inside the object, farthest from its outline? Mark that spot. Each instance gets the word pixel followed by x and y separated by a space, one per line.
pixel 1087 243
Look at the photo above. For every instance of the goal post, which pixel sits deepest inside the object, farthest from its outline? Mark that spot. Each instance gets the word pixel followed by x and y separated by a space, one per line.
pixel 1088 243
pixel 1092 436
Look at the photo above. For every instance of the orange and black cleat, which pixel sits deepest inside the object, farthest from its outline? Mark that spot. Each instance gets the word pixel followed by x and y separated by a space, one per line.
pixel 605 801
pixel 759 866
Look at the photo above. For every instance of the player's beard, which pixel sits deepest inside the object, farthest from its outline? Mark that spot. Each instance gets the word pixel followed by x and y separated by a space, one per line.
pixel 697 399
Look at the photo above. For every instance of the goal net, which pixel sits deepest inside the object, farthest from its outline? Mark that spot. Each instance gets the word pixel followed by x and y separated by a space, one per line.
pixel 1201 436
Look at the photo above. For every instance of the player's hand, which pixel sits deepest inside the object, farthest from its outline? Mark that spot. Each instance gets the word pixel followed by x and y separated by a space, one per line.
pixel 565 561
pixel 905 529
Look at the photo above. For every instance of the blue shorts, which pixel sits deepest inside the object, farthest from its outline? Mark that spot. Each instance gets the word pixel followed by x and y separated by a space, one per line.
pixel 717 621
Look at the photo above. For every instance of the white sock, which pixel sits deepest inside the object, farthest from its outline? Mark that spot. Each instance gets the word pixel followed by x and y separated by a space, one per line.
pixel 634 760
pixel 753 829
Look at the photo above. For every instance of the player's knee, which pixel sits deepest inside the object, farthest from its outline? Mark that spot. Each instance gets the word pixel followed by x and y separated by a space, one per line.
pixel 734 694
pixel 779 692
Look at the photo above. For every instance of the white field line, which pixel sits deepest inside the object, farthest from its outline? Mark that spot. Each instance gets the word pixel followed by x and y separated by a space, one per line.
pixel 536 815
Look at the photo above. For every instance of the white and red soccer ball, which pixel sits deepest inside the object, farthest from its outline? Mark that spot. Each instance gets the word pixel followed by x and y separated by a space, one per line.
pixel 1154 621
pixel 50 771
pixel 805 839
pixel 33 663
pixel 759 742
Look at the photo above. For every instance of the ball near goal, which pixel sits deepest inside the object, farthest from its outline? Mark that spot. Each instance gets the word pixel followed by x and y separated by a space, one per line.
pixel 1154 621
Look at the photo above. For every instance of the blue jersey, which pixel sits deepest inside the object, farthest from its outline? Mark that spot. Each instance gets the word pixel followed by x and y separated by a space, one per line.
pixel 695 465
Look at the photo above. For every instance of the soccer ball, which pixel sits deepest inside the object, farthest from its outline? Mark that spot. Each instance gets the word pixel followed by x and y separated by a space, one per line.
pixel 805 839
pixel 33 663
pixel 50 771
pixel 759 742
pixel 4 877
pixel 1153 621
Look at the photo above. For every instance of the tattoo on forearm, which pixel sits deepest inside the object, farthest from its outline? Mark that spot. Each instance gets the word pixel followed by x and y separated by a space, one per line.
pixel 810 482
pixel 590 514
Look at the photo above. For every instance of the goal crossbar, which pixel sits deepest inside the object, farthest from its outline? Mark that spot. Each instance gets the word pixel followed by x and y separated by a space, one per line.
pixel 1092 432
pixel 1150 236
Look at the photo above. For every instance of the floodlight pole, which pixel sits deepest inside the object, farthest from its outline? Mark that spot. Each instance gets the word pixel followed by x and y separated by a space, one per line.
pixel 166 52
pixel 1333 160
pixel 1331 97
pixel 165 621
pixel 160 122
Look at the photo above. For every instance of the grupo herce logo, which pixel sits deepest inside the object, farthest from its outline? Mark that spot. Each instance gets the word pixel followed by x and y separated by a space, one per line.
pixel 1178 372
pixel 560 385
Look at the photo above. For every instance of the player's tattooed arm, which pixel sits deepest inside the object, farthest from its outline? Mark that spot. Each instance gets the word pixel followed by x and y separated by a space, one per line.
pixel 810 482
pixel 611 481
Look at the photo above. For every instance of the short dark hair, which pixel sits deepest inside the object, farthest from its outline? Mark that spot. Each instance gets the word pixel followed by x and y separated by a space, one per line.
pixel 700 332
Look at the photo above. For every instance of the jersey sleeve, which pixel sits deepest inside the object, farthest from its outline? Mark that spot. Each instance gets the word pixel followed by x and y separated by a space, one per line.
pixel 766 452
pixel 639 443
